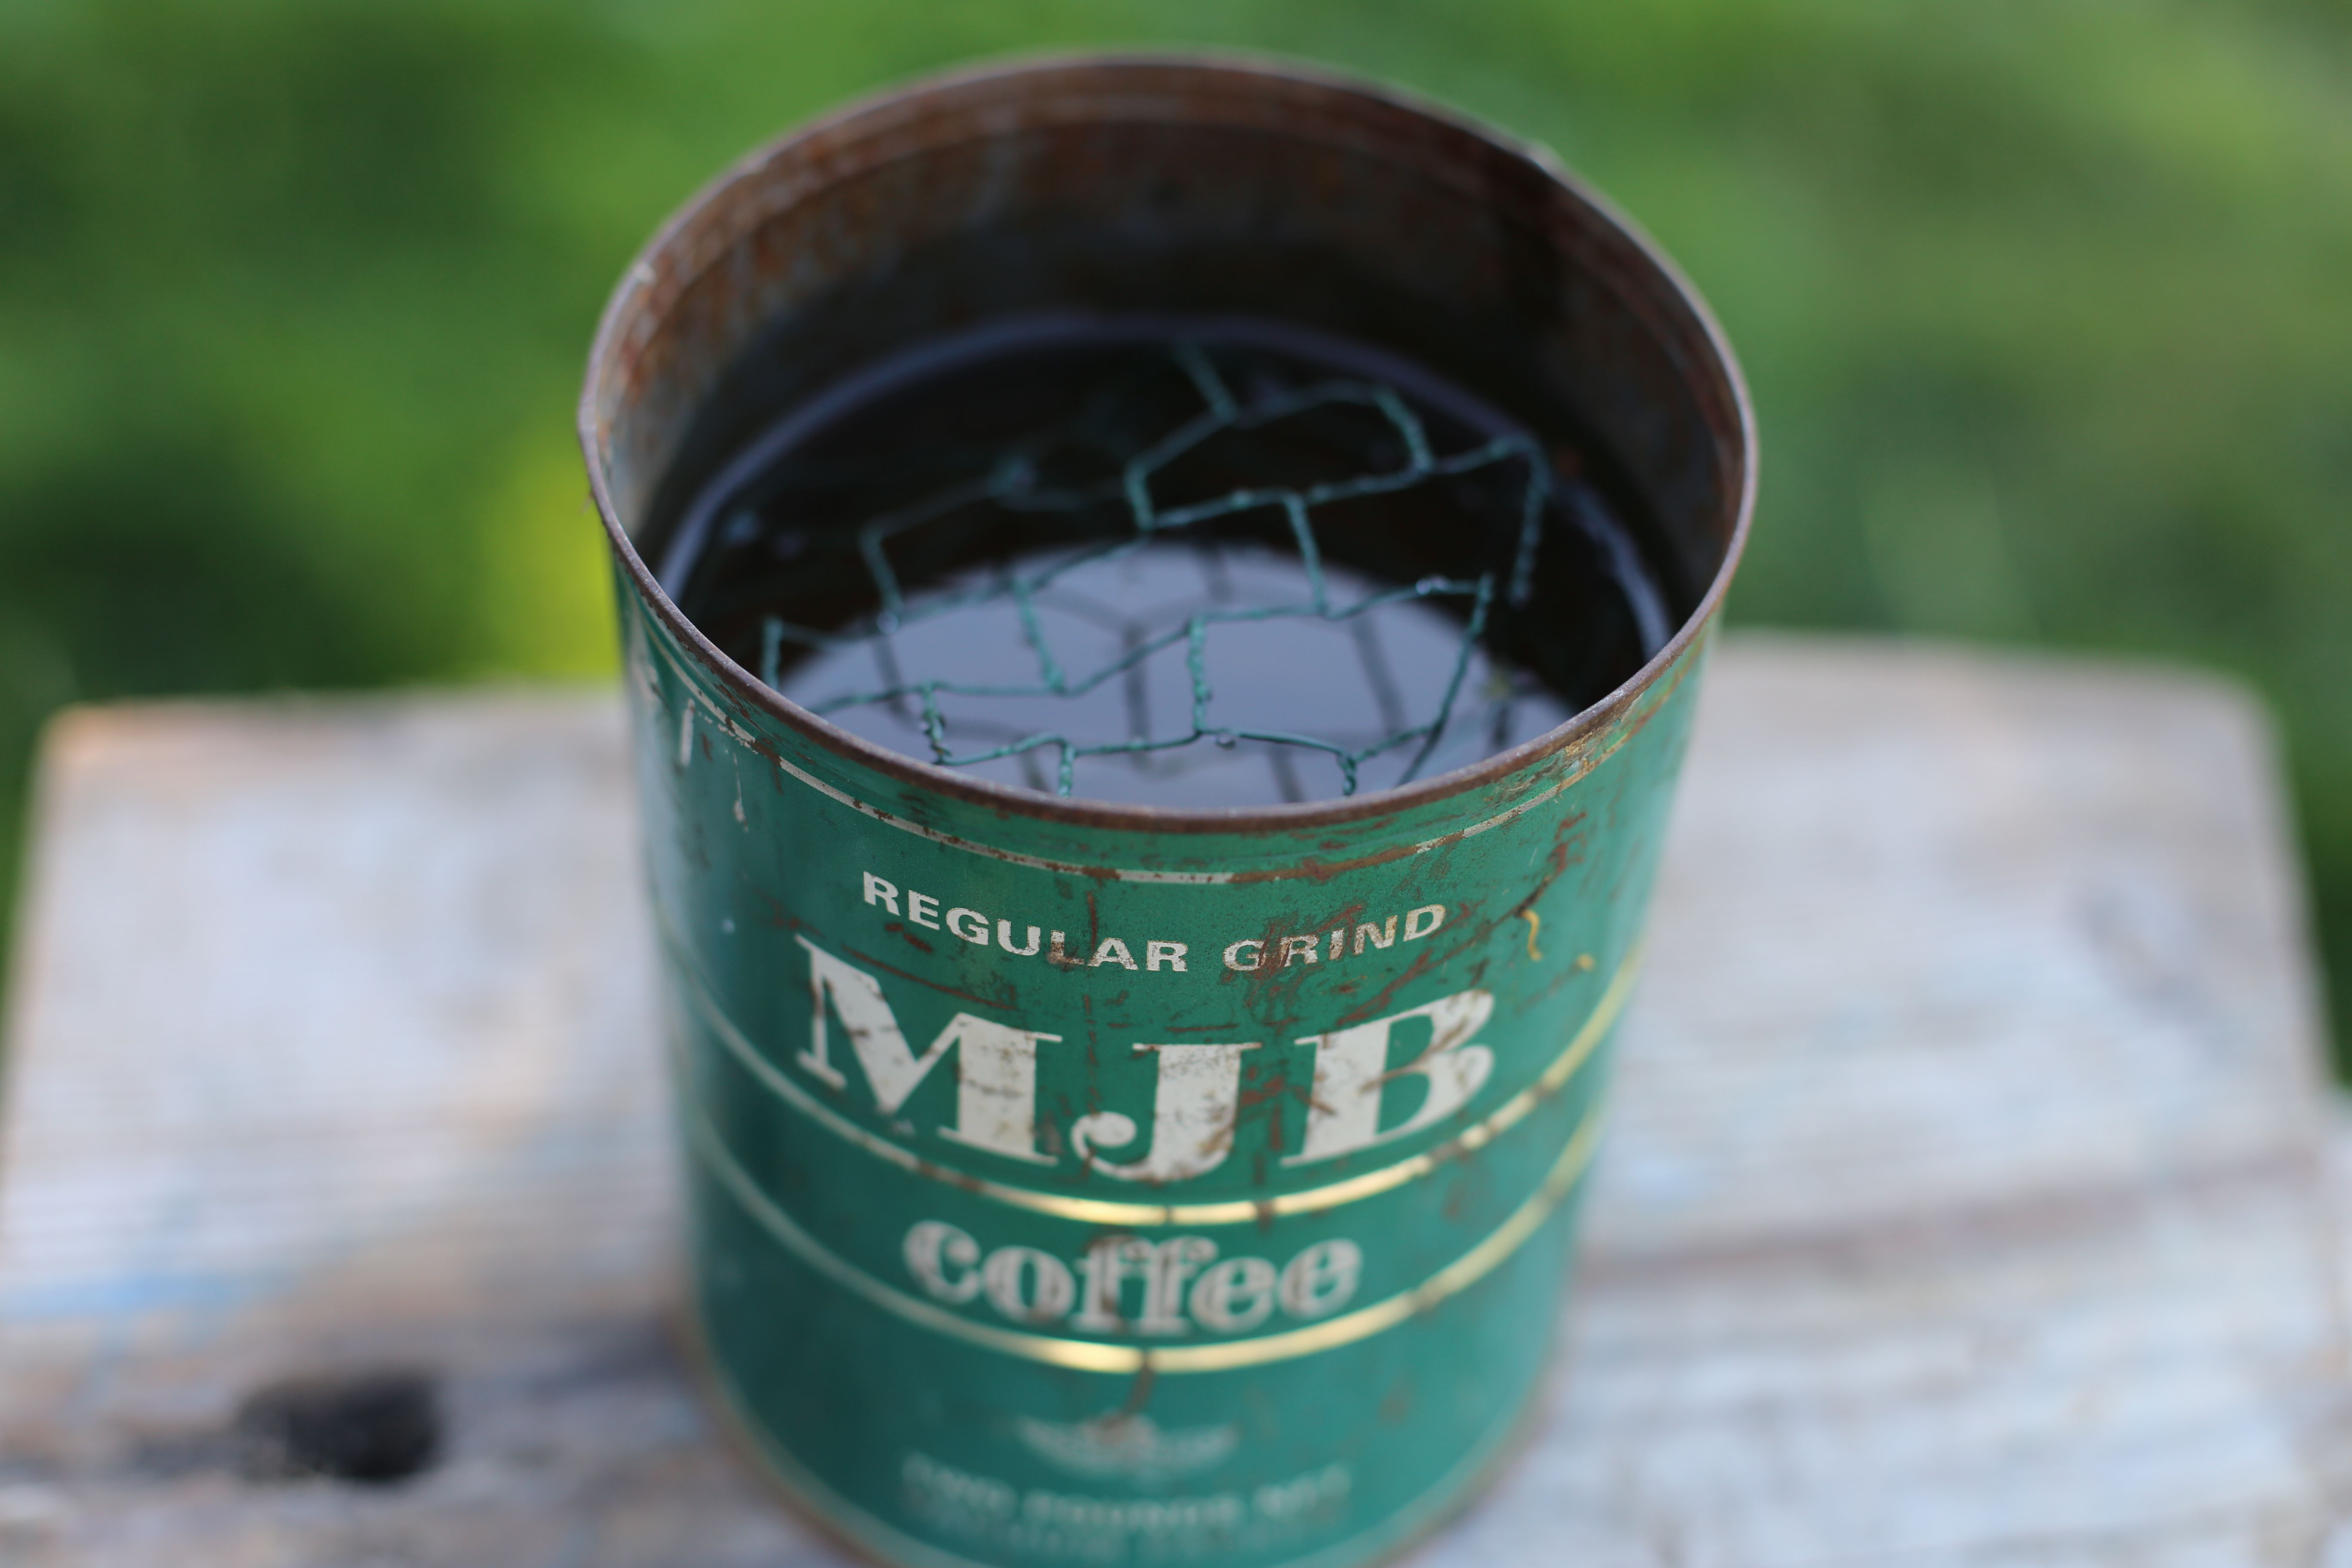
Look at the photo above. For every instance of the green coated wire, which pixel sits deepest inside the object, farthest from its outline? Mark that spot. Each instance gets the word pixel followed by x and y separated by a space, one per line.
pixel 1010 484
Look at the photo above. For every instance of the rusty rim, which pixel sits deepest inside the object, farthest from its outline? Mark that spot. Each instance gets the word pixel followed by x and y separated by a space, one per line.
pixel 1011 78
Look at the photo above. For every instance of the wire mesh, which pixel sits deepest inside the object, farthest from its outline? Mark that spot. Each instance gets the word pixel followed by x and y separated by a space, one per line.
pixel 954 708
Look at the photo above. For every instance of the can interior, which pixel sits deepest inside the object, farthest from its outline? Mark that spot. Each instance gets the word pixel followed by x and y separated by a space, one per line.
pixel 1166 186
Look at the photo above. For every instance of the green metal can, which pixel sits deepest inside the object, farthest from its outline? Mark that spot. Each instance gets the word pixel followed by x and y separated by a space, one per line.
pixel 1078 1183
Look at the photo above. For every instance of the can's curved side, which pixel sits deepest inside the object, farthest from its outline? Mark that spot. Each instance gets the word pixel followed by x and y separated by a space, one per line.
pixel 1068 1191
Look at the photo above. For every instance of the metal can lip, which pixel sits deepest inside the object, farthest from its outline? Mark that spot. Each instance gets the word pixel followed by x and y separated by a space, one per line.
pixel 624 323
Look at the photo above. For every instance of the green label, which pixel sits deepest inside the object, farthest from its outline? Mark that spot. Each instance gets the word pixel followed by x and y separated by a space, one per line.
pixel 1071 1191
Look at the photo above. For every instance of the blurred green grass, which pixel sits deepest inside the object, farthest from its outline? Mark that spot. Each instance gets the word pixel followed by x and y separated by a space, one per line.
pixel 2048 309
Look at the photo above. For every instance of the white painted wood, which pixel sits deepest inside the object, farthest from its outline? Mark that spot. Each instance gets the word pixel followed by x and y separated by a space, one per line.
pixel 1966 1202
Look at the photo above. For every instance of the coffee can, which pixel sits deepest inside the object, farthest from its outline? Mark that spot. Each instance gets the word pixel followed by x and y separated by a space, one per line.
pixel 1072 1182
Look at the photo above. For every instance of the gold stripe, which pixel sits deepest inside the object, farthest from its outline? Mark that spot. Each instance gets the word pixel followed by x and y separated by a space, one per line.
pixel 1237 1211
pixel 1089 1355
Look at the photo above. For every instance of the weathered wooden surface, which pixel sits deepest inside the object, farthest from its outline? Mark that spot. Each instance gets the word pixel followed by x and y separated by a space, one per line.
pixel 1967 1202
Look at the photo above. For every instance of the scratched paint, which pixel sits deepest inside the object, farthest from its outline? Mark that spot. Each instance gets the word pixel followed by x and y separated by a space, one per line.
pixel 1081 1184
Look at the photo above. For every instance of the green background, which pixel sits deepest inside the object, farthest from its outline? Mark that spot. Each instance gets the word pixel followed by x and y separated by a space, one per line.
pixel 2048 309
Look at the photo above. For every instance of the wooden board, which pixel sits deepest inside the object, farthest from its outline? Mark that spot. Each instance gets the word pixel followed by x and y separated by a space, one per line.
pixel 1967 1202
